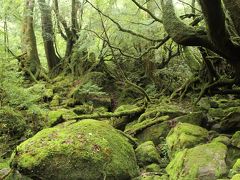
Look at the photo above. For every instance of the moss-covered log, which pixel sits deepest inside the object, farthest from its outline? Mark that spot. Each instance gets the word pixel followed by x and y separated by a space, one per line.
pixel 132 112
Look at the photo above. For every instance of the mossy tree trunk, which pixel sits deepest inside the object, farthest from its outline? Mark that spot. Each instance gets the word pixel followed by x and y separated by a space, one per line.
pixel 48 35
pixel 69 33
pixel 215 18
pixel 30 62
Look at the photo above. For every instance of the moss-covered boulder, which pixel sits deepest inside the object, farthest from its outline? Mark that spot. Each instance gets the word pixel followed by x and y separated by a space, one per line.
pixel 185 135
pixel 231 122
pixel 236 177
pixel 222 139
pixel 151 176
pixel 146 153
pixel 233 155
pixel 236 139
pixel 205 161
pixel 88 150
pixel 153 168
pixel 55 117
pixel 155 133
pixel 12 122
pixel 48 95
pixel 55 101
pixel 196 118
pixel 236 168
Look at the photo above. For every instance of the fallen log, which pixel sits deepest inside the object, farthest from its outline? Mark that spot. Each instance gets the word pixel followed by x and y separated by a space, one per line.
pixel 108 115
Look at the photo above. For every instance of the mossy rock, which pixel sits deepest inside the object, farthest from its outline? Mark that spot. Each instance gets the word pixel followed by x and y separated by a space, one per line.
pixel 48 95
pixel 226 103
pixel 230 123
pixel 233 155
pixel 153 168
pixel 69 102
pixel 205 161
pixel 155 133
pixel 54 117
pixel 185 135
pixel 216 113
pixel 55 101
pixel 236 168
pixel 147 176
pixel 146 153
pixel 236 177
pixel 196 118
pixel 222 139
pixel 83 109
pixel 12 122
pixel 87 149
pixel 204 103
pixel 236 139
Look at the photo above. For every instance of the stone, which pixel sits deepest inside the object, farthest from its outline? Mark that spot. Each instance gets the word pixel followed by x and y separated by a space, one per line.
pixel 146 153
pixel 54 117
pixel 196 118
pixel 87 149
pixel 155 133
pixel 153 168
pixel 185 135
pixel 236 177
pixel 235 140
pixel 206 162
pixel 55 101
pixel 222 139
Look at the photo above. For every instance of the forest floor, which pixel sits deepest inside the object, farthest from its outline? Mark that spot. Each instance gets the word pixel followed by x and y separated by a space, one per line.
pixel 87 134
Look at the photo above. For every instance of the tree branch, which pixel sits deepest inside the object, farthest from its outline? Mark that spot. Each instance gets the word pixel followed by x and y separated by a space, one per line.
pixel 148 11
pixel 123 29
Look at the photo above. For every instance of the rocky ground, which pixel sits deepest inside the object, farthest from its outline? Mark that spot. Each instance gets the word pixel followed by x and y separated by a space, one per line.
pixel 161 140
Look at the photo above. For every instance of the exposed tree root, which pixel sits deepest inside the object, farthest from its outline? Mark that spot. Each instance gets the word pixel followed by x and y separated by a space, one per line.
pixel 213 87
pixel 182 91
pixel 220 86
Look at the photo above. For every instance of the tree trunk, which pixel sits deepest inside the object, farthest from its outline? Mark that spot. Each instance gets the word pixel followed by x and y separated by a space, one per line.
pixel 215 38
pixel 30 63
pixel 48 35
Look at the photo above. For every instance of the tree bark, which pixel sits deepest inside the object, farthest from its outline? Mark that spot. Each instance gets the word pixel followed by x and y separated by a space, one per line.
pixel 216 38
pixel 30 62
pixel 48 35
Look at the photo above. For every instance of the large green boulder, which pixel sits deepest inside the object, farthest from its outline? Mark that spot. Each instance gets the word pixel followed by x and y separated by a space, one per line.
pixel 205 161
pixel 87 149
pixel 185 135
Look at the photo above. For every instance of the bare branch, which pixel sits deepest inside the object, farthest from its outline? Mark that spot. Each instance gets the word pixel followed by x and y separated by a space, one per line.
pixel 123 29
pixel 148 11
